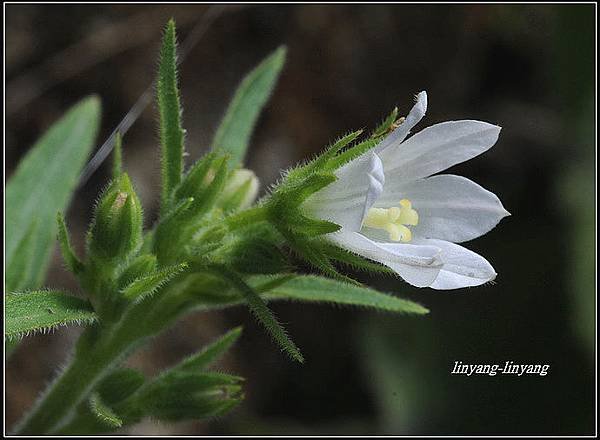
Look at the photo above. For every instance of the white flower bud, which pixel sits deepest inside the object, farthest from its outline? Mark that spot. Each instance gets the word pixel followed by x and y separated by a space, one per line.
pixel 240 190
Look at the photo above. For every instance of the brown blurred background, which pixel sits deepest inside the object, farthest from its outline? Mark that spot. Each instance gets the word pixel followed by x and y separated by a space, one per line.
pixel 528 68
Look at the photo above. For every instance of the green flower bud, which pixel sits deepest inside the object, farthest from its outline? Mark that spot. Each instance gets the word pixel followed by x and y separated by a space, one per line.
pixel 116 231
pixel 240 190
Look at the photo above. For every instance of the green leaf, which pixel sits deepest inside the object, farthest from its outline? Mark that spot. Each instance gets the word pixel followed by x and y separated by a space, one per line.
pixel 196 177
pixel 301 224
pixel 103 413
pixel 320 161
pixel 43 184
pixel 17 274
pixel 147 285
pixel 175 214
pixel 255 254
pixel 262 313
pixel 43 310
pixel 208 196
pixel 233 135
pixel 169 107
pixel 73 263
pixel 387 125
pixel 181 396
pixel 171 233
pixel 350 154
pixel 119 385
pixel 176 229
pixel 311 288
pixel 311 251
pixel 298 192
pixel 210 353
pixel 140 266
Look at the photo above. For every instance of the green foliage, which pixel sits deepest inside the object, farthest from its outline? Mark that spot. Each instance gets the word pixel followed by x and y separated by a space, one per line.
pixel 351 154
pixel 193 200
pixel 17 274
pixel 233 135
pixel 312 251
pixel 315 289
pixel 73 263
pixel 137 269
pixel 171 131
pixel 210 353
pixel 181 396
pixel 321 161
pixel 310 288
pixel 209 248
pixel 262 313
pixel 148 284
pixel 41 186
pixel 387 125
pixel 196 179
pixel 206 199
pixel 119 385
pixel 184 391
pixel 286 214
pixel 257 255
pixel 42 311
pixel 116 231
pixel 103 413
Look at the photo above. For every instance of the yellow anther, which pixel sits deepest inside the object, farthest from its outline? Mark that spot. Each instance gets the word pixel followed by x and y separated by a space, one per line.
pixel 394 220
pixel 377 218
pixel 394 213
pixel 408 216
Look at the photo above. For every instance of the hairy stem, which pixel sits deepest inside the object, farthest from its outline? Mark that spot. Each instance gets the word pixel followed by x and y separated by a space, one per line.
pixel 70 388
pixel 98 350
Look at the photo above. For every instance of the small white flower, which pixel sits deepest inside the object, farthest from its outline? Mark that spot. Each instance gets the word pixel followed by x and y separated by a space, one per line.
pixel 392 210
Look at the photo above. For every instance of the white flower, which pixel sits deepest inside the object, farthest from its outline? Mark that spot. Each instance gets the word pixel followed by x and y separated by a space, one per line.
pixel 393 211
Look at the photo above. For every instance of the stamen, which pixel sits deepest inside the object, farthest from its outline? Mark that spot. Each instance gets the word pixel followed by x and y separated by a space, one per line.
pixel 394 220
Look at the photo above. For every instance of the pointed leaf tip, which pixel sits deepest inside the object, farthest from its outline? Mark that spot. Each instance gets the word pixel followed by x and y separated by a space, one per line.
pixel 169 106
pixel 241 116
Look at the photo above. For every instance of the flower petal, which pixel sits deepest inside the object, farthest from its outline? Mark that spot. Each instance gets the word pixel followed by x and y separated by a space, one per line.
pixel 413 118
pixel 461 267
pixel 451 208
pixel 416 264
pixel 437 148
pixel 376 179
pixel 347 200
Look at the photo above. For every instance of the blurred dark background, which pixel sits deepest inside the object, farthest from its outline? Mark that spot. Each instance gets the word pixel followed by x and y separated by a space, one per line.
pixel 528 68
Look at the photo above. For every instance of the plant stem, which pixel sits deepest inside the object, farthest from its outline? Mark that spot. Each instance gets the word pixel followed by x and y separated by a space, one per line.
pixel 102 347
pixel 98 350
pixel 69 389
